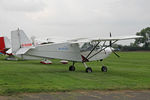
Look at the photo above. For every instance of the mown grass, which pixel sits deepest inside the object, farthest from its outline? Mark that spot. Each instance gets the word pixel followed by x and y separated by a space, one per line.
pixel 131 71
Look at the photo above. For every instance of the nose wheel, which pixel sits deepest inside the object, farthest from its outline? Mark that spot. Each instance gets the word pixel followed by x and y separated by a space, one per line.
pixel 88 69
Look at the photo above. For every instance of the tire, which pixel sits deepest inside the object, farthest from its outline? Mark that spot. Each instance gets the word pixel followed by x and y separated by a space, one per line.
pixel 104 69
pixel 71 68
pixel 88 70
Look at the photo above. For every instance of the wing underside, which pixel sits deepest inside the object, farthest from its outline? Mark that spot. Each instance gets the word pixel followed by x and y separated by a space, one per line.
pixel 81 40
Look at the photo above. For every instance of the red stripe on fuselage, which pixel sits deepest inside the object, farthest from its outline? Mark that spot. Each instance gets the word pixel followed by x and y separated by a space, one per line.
pixel 26 45
pixel 2 45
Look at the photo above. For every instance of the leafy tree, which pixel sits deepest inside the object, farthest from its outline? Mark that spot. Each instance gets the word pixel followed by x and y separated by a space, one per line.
pixel 145 33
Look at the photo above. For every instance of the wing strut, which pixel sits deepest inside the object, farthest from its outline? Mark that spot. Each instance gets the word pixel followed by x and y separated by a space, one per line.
pixel 92 50
pixel 101 50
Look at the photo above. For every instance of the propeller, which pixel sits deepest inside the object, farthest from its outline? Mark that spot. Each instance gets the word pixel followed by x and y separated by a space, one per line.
pixel 110 44
pixel 114 52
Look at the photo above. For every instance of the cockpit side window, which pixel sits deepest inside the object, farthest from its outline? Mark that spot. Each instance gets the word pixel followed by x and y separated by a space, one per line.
pixel 88 47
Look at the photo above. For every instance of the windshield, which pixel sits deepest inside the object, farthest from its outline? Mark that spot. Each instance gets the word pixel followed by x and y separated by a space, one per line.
pixel 88 46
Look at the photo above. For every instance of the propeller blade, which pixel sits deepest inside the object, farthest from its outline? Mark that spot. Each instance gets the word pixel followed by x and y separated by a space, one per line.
pixel 115 53
pixel 110 42
pixel 110 34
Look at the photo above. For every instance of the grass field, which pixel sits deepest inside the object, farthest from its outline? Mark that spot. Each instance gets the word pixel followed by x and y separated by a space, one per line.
pixel 131 71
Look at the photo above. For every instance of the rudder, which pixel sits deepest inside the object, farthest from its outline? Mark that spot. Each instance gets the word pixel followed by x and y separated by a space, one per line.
pixel 19 40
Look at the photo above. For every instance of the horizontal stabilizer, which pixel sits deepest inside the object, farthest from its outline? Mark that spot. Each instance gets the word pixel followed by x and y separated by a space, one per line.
pixel 23 50
pixel 9 51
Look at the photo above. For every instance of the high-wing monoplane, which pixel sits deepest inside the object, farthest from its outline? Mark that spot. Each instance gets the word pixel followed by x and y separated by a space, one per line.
pixel 76 50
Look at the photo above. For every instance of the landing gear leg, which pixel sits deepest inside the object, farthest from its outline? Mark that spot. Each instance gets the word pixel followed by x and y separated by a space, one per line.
pixel 103 68
pixel 88 69
pixel 72 67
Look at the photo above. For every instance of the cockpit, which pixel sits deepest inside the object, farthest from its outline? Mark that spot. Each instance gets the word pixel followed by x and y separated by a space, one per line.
pixel 89 46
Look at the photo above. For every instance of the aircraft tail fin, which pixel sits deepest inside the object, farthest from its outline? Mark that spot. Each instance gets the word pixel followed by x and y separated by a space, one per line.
pixel 4 44
pixel 19 40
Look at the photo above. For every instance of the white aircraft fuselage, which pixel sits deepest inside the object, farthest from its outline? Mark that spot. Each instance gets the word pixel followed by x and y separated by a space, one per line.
pixel 67 51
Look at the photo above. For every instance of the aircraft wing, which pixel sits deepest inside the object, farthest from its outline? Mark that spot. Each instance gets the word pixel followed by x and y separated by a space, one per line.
pixel 82 40
pixel 116 38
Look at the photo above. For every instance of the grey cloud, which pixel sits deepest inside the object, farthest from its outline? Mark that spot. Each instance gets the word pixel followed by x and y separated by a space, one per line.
pixel 22 5
pixel 75 18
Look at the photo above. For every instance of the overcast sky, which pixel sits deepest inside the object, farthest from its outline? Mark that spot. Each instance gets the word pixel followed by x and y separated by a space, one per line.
pixel 74 18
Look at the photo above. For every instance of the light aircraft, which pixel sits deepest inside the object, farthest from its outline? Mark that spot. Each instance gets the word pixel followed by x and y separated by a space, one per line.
pixel 148 38
pixel 5 48
pixel 4 44
pixel 72 50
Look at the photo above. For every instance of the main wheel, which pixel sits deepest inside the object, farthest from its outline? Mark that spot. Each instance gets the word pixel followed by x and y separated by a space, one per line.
pixel 71 68
pixel 88 70
pixel 104 69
